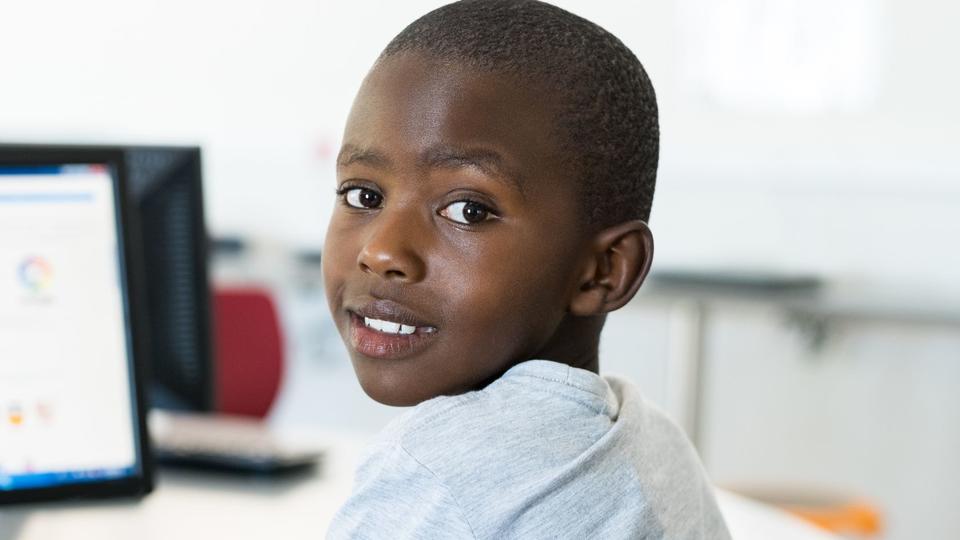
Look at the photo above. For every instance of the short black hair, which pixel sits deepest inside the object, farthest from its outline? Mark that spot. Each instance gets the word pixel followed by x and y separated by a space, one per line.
pixel 608 110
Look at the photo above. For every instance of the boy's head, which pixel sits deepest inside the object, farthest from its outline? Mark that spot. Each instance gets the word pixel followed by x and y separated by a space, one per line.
pixel 496 173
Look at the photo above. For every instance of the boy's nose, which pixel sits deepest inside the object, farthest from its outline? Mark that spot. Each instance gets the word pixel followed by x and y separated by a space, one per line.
pixel 390 250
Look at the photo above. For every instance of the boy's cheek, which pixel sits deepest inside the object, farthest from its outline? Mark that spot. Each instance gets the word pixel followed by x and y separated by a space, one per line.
pixel 339 242
pixel 335 265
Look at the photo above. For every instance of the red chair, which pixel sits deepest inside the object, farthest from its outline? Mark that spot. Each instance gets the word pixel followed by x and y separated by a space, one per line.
pixel 249 351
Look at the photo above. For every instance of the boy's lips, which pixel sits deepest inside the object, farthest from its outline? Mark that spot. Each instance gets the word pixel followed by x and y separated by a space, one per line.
pixel 386 329
pixel 388 310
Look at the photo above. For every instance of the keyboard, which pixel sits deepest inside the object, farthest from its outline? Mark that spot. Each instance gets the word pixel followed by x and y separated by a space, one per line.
pixel 225 442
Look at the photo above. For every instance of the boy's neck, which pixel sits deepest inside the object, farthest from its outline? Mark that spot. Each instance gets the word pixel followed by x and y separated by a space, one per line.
pixel 576 343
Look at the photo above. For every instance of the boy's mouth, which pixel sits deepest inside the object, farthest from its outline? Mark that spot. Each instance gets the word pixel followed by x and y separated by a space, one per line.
pixel 389 327
pixel 390 317
pixel 383 339
pixel 385 329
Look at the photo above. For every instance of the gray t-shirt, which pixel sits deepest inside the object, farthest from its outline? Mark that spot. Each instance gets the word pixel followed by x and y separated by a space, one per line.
pixel 545 451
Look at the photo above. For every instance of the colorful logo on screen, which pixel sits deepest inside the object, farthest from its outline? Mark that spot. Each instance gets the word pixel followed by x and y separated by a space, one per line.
pixel 36 274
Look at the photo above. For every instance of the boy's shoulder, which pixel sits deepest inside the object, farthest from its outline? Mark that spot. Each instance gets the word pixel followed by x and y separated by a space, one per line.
pixel 531 402
pixel 551 437
pixel 539 417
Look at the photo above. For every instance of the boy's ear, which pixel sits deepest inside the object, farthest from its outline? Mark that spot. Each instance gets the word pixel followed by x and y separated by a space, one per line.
pixel 619 262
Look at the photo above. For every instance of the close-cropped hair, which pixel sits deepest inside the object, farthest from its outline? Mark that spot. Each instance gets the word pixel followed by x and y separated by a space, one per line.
pixel 606 117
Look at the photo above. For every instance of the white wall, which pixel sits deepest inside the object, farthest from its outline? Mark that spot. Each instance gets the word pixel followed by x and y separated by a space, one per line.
pixel 872 416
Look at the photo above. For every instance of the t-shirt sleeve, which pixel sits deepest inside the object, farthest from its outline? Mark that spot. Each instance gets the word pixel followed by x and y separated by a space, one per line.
pixel 395 496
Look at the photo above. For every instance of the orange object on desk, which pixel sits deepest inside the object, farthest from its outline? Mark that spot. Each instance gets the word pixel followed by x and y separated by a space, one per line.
pixel 856 518
pixel 845 515
pixel 249 351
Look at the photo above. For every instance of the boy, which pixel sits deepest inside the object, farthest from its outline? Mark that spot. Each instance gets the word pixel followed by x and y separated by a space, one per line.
pixel 496 174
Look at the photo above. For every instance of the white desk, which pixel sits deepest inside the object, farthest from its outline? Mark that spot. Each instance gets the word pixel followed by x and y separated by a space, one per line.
pixel 188 505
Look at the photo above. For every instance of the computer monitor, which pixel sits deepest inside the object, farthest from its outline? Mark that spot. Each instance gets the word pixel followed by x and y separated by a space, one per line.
pixel 72 334
pixel 166 192
pixel 166 185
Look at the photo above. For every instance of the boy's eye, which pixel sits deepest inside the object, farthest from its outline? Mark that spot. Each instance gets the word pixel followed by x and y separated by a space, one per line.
pixel 466 212
pixel 362 198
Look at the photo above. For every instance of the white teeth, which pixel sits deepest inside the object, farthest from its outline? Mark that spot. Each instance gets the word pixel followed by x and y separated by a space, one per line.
pixel 388 327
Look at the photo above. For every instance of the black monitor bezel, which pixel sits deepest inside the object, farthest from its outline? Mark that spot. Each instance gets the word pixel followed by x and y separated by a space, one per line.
pixel 207 400
pixel 140 483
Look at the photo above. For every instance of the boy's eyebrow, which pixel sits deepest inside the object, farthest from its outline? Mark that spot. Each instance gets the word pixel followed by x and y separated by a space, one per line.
pixel 351 154
pixel 487 161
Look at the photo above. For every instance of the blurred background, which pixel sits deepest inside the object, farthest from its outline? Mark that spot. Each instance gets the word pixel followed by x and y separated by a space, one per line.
pixel 803 322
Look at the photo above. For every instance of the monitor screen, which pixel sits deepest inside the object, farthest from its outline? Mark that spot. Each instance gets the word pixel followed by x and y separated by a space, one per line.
pixel 68 407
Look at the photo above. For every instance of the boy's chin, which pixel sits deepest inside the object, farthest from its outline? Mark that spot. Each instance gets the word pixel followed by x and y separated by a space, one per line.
pixel 389 397
pixel 408 382
pixel 388 390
